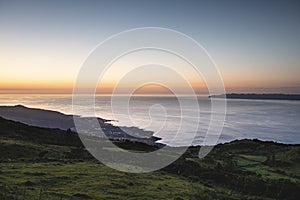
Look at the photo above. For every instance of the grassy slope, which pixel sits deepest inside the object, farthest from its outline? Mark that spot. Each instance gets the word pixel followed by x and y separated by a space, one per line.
pixel 52 164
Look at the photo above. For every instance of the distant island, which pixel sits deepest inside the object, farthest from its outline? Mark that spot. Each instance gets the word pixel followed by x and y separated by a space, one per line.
pixel 258 96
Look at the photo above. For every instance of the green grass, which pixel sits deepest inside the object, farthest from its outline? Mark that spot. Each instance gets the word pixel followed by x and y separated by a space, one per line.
pixel 38 163
pixel 97 181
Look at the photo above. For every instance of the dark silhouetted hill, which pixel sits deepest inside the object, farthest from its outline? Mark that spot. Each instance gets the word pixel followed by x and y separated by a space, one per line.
pixel 259 96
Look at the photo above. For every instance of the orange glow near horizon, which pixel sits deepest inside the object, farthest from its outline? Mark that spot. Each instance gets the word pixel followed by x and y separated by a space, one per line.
pixel 31 79
pixel 66 87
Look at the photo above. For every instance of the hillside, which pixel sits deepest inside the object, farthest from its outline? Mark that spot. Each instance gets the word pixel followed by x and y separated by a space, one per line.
pixel 57 120
pixel 37 117
pixel 43 163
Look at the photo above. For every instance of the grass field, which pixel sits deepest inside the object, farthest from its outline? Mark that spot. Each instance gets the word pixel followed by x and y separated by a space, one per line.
pixel 40 163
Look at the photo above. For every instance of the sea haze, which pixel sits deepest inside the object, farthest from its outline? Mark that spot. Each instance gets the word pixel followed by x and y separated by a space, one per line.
pixel 275 120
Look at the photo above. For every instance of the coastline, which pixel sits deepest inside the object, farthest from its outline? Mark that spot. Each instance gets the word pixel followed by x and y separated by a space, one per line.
pixel 57 120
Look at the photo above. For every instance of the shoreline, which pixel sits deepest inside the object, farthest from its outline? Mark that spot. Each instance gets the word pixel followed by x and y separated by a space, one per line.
pixel 58 120
pixel 161 144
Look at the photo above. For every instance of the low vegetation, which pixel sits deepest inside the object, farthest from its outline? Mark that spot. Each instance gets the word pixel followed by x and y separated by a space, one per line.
pixel 40 163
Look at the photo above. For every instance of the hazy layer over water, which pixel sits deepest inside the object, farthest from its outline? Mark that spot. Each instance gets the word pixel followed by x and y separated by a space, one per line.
pixel 263 119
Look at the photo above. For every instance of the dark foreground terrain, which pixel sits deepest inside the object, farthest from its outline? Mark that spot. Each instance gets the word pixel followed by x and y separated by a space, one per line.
pixel 43 163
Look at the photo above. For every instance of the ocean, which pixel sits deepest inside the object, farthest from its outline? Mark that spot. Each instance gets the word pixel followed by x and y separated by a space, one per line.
pixel 272 120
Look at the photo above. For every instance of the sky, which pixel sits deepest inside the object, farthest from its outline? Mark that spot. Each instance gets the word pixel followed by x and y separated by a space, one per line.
pixel 255 44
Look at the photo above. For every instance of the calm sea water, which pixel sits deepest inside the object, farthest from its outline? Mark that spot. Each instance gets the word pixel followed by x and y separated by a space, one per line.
pixel 274 120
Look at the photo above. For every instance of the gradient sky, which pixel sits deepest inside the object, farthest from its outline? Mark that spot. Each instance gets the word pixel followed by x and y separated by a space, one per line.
pixel 256 44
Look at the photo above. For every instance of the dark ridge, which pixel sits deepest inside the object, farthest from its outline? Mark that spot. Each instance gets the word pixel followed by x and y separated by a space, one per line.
pixel 258 96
